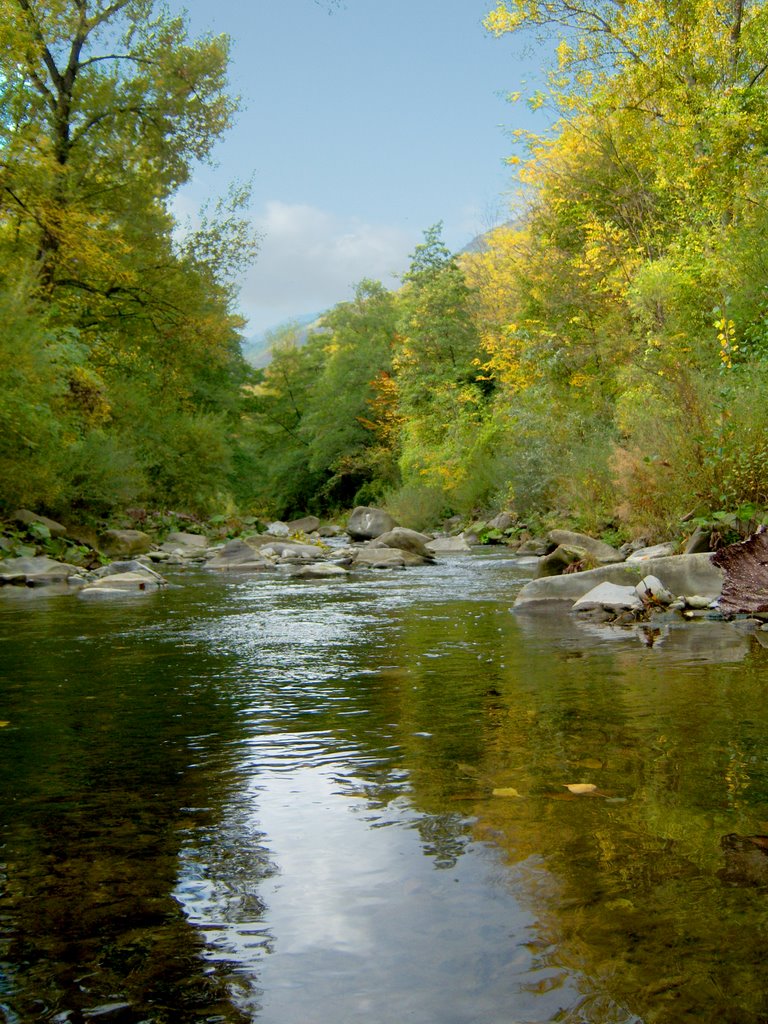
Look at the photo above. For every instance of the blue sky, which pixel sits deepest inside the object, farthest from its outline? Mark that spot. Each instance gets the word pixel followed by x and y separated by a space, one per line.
pixel 361 127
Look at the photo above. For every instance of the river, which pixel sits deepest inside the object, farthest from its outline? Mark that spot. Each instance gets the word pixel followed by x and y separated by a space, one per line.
pixel 256 799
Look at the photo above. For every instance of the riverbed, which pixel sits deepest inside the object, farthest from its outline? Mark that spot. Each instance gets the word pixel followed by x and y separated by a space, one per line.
pixel 384 799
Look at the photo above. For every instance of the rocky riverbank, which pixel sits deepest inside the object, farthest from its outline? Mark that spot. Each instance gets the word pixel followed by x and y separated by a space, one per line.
pixel 573 572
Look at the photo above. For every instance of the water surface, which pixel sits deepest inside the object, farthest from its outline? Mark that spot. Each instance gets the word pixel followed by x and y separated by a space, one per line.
pixel 254 799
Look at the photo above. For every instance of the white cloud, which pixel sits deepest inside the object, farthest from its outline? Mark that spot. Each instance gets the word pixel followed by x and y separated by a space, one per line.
pixel 311 259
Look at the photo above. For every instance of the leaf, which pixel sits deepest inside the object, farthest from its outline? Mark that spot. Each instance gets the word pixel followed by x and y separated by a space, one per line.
pixel 506 791
pixel 3 724
pixel 580 788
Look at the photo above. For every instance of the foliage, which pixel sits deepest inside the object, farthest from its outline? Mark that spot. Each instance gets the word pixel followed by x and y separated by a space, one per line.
pixel 123 369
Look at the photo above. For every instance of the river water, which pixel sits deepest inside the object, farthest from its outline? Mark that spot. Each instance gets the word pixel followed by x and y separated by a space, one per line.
pixel 255 799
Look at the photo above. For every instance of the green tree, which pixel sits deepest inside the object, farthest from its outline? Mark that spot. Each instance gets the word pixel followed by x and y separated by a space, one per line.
pixel 104 109
pixel 339 424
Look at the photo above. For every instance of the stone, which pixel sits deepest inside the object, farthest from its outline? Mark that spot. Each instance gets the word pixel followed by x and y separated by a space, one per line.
pixel 697 601
pixel 387 558
pixel 650 589
pixel 502 521
pixel 237 554
pixel 307 524
pixel 278 529
pixel 557 561
pixel 132 565
pixel 196 541
pixel 680 574
pixel 610 596
pixel 404 540
pixel 36 570
pixel 655 551
pixel 329 530
pixel 598 550
pixel 24 517
pixel 123 583
pixel 366 523
pixel 291 551
pixel 700 540
pixel 448 545
pixel 124 543
pixel 747 625
pixel 314 571
pixel 535 546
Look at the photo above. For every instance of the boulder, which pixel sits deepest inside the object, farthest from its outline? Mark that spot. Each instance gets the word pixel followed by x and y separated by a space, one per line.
pixel 329 530
pixel 367 523
pixel 610 596
pixel 700 540
pixel 124 543
pixel 314 571
pixel 597 550
pixel 119 568
pixel 24 517
pixel 502 521
pixel 278 529
pixel 557 561
pixel 37 570
pixel 680 574
pixel 238 555
pixel 404 540
pixel 655 551
pixel 387 558
pixel 124 583
pixel 652 591
pixel 190 541
pixel 290 551
pixel 308 524
pixel 535 547
pixel 448 545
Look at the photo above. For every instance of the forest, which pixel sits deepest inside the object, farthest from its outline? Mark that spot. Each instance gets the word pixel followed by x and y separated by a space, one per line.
pixel 599 360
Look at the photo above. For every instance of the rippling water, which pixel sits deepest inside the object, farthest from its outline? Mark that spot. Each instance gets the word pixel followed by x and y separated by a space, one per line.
pixel 256 799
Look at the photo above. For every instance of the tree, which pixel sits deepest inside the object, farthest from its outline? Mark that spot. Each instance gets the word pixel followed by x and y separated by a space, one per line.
pixel 339 425
pixel 104 109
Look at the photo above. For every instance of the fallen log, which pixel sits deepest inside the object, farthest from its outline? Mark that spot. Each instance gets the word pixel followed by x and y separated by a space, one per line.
pixel 745 569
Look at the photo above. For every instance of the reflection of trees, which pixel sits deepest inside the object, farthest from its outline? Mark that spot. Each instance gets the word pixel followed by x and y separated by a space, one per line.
pixel 640 914
pixel 100 795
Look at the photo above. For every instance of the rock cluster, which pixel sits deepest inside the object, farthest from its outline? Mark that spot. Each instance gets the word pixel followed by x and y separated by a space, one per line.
pixel 301 549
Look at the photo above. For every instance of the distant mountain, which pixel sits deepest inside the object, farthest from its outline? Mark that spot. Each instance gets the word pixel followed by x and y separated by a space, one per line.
pixel 256 348
pixel 480 242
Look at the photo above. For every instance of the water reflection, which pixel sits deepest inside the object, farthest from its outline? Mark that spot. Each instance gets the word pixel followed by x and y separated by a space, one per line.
pixel 259 799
